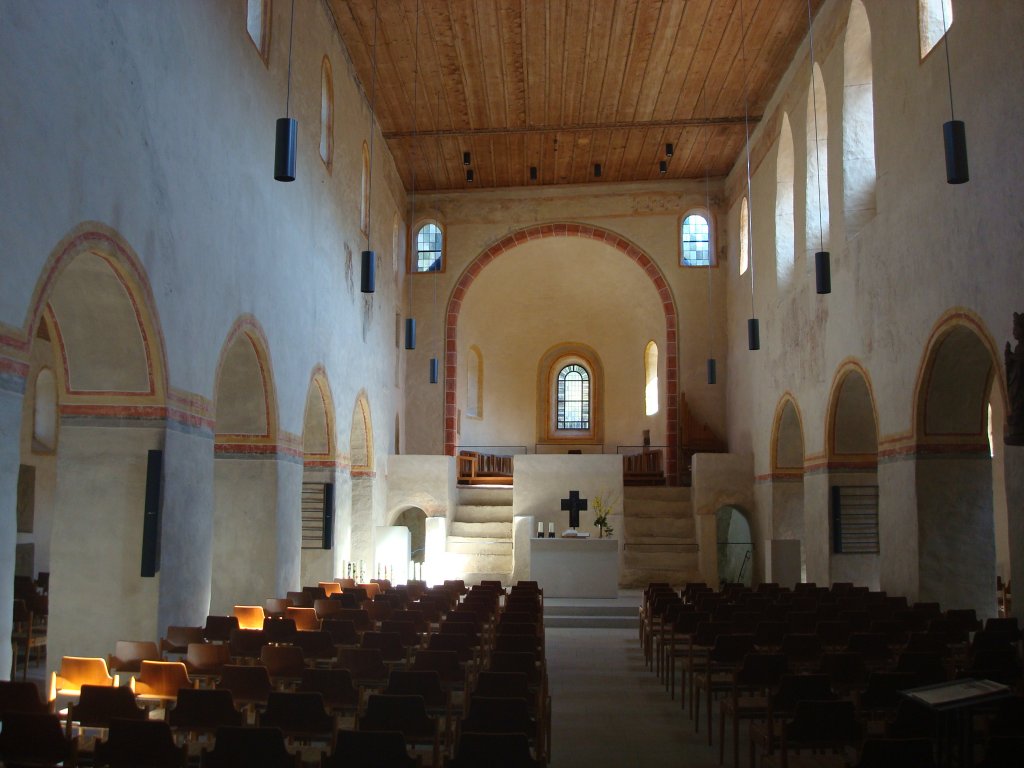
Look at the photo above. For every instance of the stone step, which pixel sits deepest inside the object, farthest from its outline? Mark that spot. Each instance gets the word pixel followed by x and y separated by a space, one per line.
pixel 481 495
pixel 641 577
pixel 582 609
pixel 474 578
pixel 478 513
pixel 480 530
pixel 591 622
pixel 660 544
pixel 471 545
pixel 655 527
pixel 644 558
pixel 459 563
pixel 656 493
pixel 641 508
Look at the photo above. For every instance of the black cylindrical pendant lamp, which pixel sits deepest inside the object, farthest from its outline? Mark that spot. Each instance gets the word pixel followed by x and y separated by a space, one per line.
pixel 469 175
pixel 663 167
pixel 433 370
pixel 410 333
pixel 955 136
pixel 533 173
pixel 597 169
pixel 822 272
pixel 668 150
pixel 753 334
pixel 284 149
pixel 368 278
pixel 465 158
pixel 712 371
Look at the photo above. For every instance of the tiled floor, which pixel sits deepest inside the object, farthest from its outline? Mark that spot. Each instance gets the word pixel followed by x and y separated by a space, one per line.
pixel 610 711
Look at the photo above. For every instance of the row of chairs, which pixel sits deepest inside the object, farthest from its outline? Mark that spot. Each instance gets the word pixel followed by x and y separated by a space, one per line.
pixel 485 672
pixel 755 649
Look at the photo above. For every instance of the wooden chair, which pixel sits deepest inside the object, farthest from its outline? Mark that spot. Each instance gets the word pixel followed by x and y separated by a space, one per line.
pixel 250 686
pixel 390 646
pixel 369 749
pixel 246 644
pixel 178 638
pixel 279 630
pixel 299 715
pixel 76 671
pixel 98 706
pixel 129 654
pixel 342 632
pixel 495 750
pixel 275 607
pixel 305 619
pixel 318 648
pixel 407 714
pixel 300 600
pixel 757 676
pixel 436 699
pixel 21 697
pixel 33 739
pixel 726 656
pixel 782 705
pixel 249 616
pixel 889 753
pixel 329 587
pixel 205 661
pixel 159 681
pixel 201 711
pixel 340 695
pixel 246 747
pixel 27 635
pixel 820 725
pixel 285 665
pixel 329 608
pixel 366 667
pixel 135 743
pixel 446 664
pixel 218 629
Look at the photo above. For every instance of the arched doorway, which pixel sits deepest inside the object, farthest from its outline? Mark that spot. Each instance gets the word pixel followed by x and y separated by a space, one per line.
pixel 735 548
pixel 788 480
pixel 953 469
pixel 245 552
pixel 94 410
pixel 852 525
pixel 415 519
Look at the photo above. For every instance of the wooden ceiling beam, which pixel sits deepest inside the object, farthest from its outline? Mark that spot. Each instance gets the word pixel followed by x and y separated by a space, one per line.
pixel 697 122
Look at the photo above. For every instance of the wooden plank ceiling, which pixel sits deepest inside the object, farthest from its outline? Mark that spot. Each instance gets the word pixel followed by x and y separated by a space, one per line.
pixel 565 84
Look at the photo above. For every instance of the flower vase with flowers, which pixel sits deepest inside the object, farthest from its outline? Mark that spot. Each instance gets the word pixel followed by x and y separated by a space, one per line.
pixel 602 511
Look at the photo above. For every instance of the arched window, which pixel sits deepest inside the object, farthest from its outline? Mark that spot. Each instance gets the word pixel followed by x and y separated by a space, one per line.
pixel 651 378
pixel 364 191
pixel 326 113
pixel 257 24
pixel 934 17
pixel 858 122
pixel 816 199
pixel 784 244
pixel 474 383
pixel 744 237
pixel 695 240
pixel 572 399
pixel 429 255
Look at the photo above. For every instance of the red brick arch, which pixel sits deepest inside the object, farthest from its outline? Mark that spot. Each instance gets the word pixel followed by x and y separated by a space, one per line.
pixel 539 232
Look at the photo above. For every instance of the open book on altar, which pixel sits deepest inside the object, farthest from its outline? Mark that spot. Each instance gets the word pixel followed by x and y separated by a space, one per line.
pixel 572 533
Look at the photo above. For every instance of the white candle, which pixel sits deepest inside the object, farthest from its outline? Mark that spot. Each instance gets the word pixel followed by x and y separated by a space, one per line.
pixel 551 529
pixel 540 528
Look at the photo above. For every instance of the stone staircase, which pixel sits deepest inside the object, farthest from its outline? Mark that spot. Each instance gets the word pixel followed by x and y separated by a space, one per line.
pixel 659 541
pixel 584 616
pixel 480 537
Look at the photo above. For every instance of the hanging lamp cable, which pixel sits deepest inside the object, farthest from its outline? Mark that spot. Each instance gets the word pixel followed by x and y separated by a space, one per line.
pixel 373 106
pixel 746 131
pixel 814 106
pixel 288 92
pixel 707 205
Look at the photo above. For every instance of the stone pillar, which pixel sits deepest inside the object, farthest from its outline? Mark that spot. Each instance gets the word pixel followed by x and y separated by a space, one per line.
pixel 1013 457
pixel 10 458
pixel 186 532
pixel 817 540
pixel 899 571
pixel 289 525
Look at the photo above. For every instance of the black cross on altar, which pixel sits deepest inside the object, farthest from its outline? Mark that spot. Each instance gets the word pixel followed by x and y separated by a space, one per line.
pixel 573 505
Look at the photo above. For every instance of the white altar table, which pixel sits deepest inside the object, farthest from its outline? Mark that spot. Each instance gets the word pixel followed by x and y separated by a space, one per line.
pixel 575 567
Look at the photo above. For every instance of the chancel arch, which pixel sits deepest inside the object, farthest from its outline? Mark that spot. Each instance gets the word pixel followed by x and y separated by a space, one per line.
pixel 95 354
pixel 320 466
pixel 849 534
pixel 563 251
pixel 245 470
pixel 953 467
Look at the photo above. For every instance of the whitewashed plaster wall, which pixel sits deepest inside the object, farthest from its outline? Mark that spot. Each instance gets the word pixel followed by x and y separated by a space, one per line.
pixel 930 249
pixel 425 482
pixel 156 121
pixel 648 215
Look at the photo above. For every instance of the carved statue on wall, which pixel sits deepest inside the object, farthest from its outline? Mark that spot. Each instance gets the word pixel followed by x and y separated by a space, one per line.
pixel 1015 384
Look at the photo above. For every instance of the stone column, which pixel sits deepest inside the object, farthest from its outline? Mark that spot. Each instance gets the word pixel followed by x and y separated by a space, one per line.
pixel 10 458
pixel 289 525
pixel 1013 457
pixel 186 534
